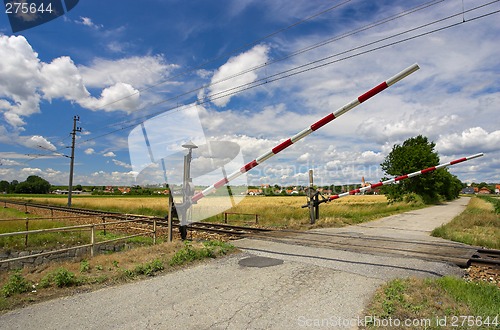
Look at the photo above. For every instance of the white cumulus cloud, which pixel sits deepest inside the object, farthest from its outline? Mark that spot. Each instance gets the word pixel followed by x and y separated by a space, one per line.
pixel 37 142
pixel 61 79
pixel 472 140
pixel 19 91
pixel 118 97
pixel 220 81
pixel 31 80
pixel 137 71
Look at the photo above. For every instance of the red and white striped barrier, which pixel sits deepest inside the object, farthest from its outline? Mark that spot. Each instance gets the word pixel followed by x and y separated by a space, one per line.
pixel 403 177
pixel 314 127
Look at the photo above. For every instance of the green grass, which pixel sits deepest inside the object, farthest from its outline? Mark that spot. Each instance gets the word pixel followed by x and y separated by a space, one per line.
pixel 189 254
pixel 478 225
pixel 41 240
pixel 483 299
pixel 433 300
pixel 51 240
pixel 493 200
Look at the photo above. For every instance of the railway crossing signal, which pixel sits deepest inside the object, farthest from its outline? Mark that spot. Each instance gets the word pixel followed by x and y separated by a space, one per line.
pixel 313 203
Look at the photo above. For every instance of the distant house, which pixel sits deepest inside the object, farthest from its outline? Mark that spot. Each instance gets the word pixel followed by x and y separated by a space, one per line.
pixel 254 192
pixel 124 190
pixel 324 191
pixel 484 191
pixel 468 191
pixel 497 189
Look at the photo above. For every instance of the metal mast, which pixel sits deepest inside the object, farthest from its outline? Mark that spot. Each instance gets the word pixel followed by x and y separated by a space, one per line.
pixel 72 162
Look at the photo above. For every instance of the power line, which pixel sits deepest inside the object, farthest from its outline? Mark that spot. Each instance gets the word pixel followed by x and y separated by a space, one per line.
pixel 296 53
pixel 318 63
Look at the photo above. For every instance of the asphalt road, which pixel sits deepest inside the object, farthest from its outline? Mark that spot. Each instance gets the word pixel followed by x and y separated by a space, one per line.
pixel 308 287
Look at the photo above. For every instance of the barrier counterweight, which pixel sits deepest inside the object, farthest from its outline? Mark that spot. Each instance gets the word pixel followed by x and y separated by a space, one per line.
pixel 302 134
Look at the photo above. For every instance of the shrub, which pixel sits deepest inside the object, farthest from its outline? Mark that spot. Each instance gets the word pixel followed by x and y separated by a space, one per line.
pixel 413 198
pixel 16 284
pixel 149 268
pixel 60 277
pixel 210 249
pixel 84 266
pixel 190 254
pixel 222 247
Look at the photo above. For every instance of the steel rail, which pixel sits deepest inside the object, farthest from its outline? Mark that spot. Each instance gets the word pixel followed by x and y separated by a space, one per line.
pixel 198 226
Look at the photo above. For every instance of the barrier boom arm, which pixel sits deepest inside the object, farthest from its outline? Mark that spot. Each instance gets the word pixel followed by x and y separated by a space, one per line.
pixel 302 134
pixel 399 178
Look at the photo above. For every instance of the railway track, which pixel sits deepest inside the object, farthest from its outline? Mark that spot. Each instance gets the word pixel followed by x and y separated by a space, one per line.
pixel 223 229
pixel 486 257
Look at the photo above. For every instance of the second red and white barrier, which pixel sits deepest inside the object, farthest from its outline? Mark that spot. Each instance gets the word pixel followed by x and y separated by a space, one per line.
pixel 403 177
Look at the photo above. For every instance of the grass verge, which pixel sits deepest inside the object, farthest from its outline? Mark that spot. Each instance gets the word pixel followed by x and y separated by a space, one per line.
pixel 10 223
pixel 30 285
pixel 443 303
pixel 478 225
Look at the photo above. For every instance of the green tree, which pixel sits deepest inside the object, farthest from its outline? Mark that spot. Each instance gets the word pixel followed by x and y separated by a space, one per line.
pixel 4 186
pixel 416 154
pixel 33 185
pixel 13 186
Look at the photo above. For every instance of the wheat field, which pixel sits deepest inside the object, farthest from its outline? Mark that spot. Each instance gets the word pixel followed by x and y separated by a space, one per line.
pixel 275 211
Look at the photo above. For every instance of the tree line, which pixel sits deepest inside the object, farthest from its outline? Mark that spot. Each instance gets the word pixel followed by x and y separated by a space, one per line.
pixel 33 185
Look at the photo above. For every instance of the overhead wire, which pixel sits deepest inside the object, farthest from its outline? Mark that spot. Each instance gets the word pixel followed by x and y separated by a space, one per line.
pixel 298 52
pixel 317 64
pixel 221 56
pixel 259 66
pixel 288 74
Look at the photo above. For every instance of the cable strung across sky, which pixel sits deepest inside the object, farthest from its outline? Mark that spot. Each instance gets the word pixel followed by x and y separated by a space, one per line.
pixel 302 134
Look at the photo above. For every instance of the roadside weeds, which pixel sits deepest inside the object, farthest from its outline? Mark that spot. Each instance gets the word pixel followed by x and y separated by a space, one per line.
pixel 20 288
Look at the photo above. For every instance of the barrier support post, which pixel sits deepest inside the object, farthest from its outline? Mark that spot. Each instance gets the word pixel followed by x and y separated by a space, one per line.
pixel 169 217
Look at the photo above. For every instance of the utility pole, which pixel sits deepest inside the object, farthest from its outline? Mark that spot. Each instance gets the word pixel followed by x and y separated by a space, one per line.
pixel 72 163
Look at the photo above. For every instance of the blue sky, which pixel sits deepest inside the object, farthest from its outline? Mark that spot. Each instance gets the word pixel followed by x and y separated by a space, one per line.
pixel 116 64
